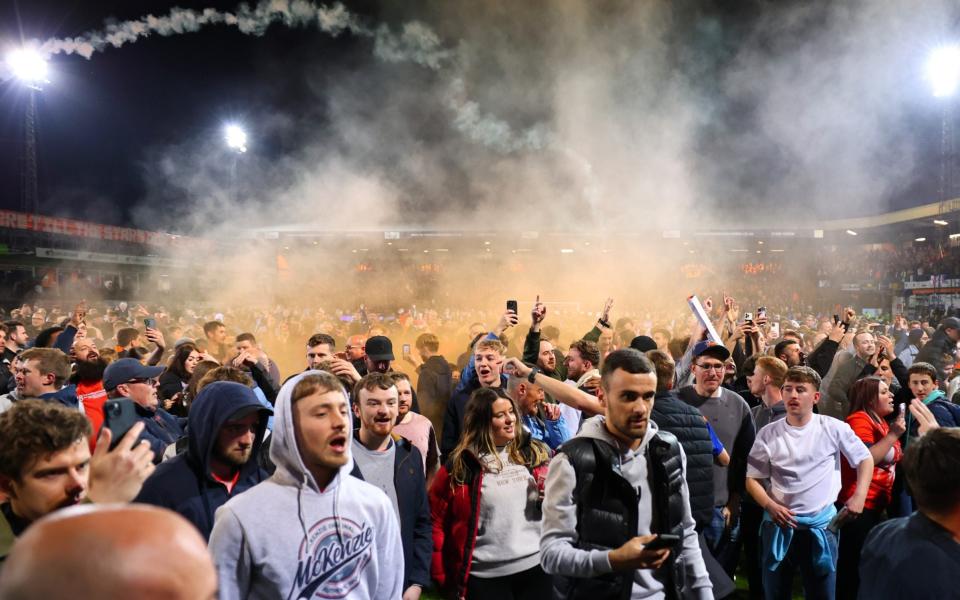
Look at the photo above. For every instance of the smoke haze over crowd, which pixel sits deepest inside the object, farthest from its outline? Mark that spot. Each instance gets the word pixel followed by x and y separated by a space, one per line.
pixel 595 118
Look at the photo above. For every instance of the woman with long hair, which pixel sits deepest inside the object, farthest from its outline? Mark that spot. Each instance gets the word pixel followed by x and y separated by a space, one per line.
pixel 174 380
pixel 485 505
pixel 871 403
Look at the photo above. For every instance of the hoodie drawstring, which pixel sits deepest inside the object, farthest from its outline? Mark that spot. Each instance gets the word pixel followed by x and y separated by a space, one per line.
pixel 303 525
pixel 336 511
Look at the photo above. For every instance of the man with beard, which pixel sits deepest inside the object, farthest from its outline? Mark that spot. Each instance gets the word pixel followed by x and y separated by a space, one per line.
pixel 789 351
pixel 582 362
pixel 88 368
pixel 612 490
pixel 389 462
pixel 225 430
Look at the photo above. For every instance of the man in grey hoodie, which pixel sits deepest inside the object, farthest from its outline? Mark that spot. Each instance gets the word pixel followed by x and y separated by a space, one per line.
pixel 612 490
pixel 311 530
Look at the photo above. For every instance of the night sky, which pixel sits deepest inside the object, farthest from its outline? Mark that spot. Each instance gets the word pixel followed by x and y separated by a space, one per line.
pixel 102 121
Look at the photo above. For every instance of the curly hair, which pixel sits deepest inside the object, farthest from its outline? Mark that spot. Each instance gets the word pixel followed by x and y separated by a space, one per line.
pixel 34 428
pixel 589 351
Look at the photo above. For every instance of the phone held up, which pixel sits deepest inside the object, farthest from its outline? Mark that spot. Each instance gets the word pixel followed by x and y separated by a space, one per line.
pixel 150 323
pixel 512 305
pixel 406 350
pixel 118 416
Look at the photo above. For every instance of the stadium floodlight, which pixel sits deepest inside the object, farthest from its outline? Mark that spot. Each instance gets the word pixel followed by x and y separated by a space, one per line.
pixel 940 222
pixel 920 239
pixel 851 232
pixel 943 70
pixel 29 66
pixel 236 138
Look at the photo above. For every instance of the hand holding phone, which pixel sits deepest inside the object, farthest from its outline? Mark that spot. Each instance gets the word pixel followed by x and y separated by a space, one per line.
pixel 663 541
pixel 119 416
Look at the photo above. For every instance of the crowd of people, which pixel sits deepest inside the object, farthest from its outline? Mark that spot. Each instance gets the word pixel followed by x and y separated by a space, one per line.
pixel 888 263
pixel 306 453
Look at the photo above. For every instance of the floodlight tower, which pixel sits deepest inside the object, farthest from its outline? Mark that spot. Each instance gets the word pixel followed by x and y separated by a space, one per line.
pixel 30 68
pixel 943 74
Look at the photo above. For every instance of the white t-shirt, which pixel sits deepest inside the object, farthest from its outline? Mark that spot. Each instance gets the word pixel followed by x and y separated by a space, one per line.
pixel 803 463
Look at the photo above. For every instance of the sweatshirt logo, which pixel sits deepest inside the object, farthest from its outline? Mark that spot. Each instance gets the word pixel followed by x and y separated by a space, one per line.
pixel 329 567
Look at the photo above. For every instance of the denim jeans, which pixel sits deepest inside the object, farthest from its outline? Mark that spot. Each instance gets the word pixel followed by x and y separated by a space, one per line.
pixel 723 544
pixel 778 584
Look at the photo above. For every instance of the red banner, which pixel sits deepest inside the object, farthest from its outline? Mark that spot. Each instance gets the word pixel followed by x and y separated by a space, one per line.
pixel 16 220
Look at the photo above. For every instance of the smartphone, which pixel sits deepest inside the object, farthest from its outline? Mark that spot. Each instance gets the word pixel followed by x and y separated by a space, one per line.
pixel 838 520
pixel 761 312
pixel 118 416
pixel 150 323
pixel 512 305
pixel 775 330
pixel 406 350
pixel 663 541
pixel 748 317
pixel 836 319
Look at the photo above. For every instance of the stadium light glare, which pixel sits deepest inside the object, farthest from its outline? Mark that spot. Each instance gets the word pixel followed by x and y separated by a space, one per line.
pixel 940 222
pixel 851 232
pixel 29 66
pixel 943 70
pixel 236 138
pixel 955 236
pixel 920 239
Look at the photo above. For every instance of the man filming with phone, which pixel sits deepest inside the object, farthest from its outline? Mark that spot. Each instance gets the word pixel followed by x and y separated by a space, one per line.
pixel 616 512
pixel 46 464
pixel 127 378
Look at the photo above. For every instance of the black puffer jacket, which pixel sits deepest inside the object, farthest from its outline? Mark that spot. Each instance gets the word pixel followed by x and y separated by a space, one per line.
pixel 673 415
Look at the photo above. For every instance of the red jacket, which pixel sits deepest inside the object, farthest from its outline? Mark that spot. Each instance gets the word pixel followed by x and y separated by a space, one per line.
pixel 881 485
pixel 455 511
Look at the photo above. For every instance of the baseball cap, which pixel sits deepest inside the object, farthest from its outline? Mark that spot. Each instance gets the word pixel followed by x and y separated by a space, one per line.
pixel 950 323
pixel 711 348
pixel 127 369
pixel 379 347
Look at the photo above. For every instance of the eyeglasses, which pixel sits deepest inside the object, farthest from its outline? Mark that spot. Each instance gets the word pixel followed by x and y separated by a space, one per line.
pixel 151 381
pixel 712 367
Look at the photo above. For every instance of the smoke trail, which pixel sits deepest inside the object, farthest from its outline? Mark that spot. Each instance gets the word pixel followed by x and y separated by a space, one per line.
pixel 415 43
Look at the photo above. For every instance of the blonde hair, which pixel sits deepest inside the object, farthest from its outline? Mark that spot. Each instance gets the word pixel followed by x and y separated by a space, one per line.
pixel 495 345
pixel 775 368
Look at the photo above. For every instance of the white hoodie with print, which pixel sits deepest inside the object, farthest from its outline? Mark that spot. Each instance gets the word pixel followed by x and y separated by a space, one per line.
pixel 285 539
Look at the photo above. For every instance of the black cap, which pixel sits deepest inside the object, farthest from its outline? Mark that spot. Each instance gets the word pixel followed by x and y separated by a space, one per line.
pixel 643 343
pixel 379 347
pixel 950 323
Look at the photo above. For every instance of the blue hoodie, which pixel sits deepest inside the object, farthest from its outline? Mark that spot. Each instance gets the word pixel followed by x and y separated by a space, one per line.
pixel 67 396
pixel 184 484
pixel 288 539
